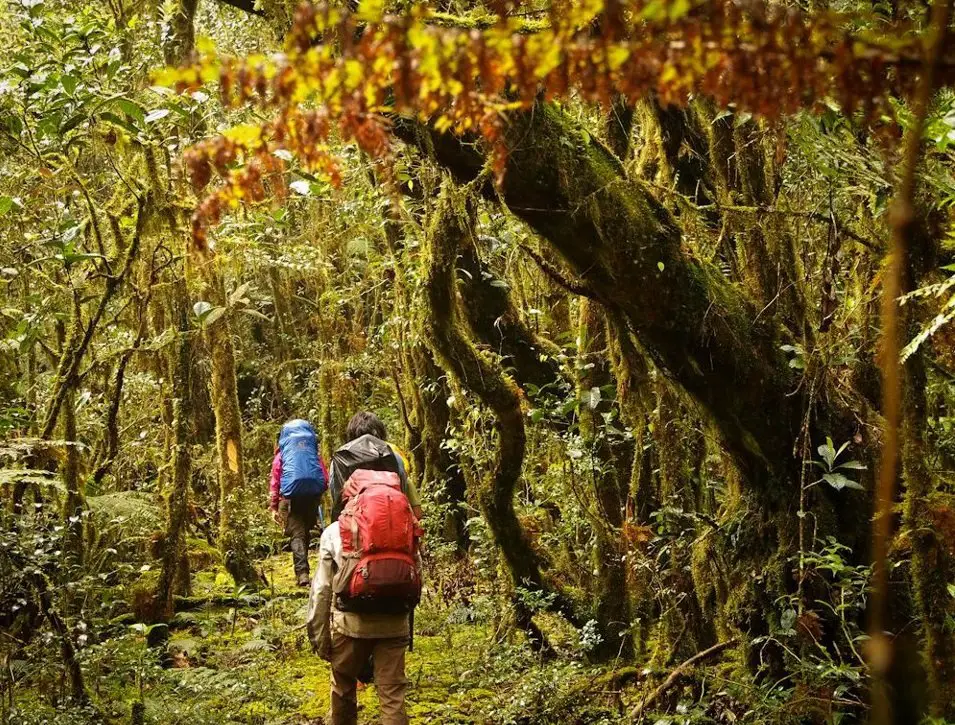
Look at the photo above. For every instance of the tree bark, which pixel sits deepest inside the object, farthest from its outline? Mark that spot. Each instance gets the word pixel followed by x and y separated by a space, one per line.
pixel 442 466
pixel 74 505
pixel 223 390
pixel 447 232
pixel 495 321
pixel 611 461
pixel 177 495
pixel 182 34
pixel 700 330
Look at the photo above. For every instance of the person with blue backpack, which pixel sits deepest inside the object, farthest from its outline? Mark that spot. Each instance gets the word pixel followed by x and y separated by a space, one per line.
pixel 299 479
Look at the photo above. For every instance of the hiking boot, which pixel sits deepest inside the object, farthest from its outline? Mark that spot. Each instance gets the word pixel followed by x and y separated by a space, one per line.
pixel 303 580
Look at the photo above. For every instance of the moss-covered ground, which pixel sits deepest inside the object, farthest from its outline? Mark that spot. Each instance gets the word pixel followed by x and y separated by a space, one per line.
pixel 252 664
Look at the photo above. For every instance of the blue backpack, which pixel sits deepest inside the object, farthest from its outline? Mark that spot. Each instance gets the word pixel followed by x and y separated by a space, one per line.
pixel 302 475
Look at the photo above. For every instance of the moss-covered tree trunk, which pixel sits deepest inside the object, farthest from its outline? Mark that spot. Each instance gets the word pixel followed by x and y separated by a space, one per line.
pixel 442 466
pixel 449 229
pixel 495 321
pixel 933 557
pixel 700 330
pixel 428 420
pixel 223 389
pixel 182 34
pixel 74 503
pixel 610 468
pixel 680 451
pixel 177 493
pixel 697 327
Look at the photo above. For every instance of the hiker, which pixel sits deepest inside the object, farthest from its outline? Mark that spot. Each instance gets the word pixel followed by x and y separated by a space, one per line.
pixel 298 481
pixel 361 603
pixel 368 447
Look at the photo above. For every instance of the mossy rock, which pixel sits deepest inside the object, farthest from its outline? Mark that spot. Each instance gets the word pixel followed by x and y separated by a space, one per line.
pixel 140 595
pixel 202 555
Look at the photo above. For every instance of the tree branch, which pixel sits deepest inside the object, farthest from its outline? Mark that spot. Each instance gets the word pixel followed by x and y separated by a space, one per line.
pixel 676 675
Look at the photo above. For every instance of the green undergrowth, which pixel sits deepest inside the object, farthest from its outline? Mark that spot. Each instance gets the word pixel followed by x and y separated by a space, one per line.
pixel 253 664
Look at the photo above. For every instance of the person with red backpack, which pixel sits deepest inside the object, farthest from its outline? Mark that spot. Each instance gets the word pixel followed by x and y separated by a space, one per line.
pixel 298 481
pixel 369 574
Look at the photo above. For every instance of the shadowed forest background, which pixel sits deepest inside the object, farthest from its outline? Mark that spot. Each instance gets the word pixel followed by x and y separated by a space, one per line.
pixel 657 297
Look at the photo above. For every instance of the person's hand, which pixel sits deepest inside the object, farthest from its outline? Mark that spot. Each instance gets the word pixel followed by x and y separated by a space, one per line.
pixel 277 517
pixel 321 645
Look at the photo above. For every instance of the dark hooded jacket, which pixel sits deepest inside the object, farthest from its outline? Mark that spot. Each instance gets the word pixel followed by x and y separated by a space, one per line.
pixel 369 453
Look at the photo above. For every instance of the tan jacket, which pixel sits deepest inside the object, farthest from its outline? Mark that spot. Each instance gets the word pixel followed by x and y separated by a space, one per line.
pixel 323 617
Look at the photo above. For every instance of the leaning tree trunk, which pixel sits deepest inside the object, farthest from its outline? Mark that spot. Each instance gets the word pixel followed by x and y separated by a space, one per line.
pixel 699 330
pixel 481 374
pixel 177 496
pixel 437 464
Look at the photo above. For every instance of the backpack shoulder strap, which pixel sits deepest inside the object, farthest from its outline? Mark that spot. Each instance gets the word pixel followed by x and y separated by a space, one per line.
pixel 402 468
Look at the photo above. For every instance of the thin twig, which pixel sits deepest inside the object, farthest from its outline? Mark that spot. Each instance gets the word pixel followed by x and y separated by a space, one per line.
pixel 573 286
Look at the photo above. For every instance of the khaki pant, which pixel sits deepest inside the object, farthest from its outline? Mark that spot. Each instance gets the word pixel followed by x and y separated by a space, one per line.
pixel 348 656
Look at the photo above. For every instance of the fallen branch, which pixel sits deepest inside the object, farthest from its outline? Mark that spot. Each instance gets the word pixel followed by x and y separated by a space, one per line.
pixel 248 601
pixel 675 676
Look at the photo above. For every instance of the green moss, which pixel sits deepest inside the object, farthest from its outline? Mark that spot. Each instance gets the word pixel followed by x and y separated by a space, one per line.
pixel 202 555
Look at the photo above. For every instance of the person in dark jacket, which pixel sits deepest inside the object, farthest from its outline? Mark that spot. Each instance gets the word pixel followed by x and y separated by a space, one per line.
pixel 368 448
pixel 360 646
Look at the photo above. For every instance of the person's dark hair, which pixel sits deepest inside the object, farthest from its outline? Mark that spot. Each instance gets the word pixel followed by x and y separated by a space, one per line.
pixel 365 423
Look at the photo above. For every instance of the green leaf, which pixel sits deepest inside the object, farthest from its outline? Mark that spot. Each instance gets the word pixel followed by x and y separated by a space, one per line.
pixel 69 83
pixel 839 482
pixel 854 465
pixel 6 204
pixel 239 293
pixel 202 308
pixel 122 122
pixel 132 109
pixel 73 122
pixel 255 313
pixel 213 315
pixel 828 452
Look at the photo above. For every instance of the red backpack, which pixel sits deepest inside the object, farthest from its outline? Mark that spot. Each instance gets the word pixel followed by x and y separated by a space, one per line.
pixel 380 537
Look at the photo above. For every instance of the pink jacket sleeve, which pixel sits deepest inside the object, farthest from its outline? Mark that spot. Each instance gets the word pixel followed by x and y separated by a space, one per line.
pixel 275 481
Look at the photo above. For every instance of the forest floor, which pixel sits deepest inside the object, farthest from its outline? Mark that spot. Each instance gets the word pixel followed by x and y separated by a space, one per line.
pixel 252 663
